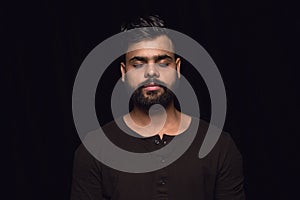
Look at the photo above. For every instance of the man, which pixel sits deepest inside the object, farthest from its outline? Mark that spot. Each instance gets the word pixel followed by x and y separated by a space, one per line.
pixel 151 70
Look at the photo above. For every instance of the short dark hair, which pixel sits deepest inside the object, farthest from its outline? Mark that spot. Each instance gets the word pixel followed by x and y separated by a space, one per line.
pixel 148 27
pixel 144 21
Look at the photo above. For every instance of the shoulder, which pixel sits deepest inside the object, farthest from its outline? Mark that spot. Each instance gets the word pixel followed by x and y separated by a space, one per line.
pixel 117 125
pixel 221 141
pixel 84 161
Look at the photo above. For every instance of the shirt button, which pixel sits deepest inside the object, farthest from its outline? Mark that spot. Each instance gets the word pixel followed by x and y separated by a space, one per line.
pixel 156 141
pixel 162 182
pixel 165 142
pixel 162 160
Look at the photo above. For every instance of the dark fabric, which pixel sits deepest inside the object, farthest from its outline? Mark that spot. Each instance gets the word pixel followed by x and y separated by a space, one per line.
pixel 217 176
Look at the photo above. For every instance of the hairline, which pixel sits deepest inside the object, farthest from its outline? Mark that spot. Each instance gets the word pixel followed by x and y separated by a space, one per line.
pixel 150 39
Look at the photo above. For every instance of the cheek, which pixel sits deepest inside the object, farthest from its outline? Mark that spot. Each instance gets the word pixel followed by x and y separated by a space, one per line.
pixel 170 78
pixel 132 79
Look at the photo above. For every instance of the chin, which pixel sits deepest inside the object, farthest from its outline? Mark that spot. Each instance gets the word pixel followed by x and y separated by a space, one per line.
pixel 153 94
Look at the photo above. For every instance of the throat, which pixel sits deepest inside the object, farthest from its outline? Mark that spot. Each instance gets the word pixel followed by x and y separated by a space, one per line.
pixel 156 121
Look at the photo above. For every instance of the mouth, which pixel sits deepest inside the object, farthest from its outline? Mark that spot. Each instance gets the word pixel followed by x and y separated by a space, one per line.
pixel 151 87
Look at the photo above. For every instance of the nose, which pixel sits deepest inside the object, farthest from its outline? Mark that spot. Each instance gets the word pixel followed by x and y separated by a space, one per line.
pixel 151 71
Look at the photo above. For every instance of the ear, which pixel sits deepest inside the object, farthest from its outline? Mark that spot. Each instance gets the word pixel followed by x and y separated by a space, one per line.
pixel 178 63
pixel 123 70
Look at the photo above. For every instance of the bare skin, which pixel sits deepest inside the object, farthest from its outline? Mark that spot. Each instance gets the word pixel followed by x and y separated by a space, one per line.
pixel 175 122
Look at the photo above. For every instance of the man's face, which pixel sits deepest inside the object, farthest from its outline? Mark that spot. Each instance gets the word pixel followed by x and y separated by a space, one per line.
pixel 150 70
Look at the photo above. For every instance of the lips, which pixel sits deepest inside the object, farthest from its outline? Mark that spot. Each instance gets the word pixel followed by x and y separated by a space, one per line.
pixel 151 87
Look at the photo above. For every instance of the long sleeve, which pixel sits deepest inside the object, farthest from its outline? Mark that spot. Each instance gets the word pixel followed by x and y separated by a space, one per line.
pixel 86 183
pixel 230 179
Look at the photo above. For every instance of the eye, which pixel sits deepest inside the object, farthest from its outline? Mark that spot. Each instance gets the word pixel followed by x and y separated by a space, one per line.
pixel 138 65
pixel 163 64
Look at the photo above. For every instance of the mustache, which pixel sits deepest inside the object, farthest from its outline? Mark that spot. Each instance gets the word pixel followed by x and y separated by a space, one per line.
pixel 151 81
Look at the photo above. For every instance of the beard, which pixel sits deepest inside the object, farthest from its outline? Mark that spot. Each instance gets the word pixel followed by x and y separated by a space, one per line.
pixel 147 99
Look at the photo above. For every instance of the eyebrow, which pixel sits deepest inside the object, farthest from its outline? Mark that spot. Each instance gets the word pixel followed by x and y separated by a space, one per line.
pixel 162 57
pixel 138 58
pixel 156 58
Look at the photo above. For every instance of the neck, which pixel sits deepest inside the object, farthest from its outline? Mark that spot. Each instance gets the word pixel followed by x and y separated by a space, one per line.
pixel 157 120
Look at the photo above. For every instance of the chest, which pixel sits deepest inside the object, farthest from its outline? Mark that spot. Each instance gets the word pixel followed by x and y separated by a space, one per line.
pixel 187 176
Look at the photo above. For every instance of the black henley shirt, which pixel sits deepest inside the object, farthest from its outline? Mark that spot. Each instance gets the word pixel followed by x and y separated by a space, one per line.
pixel 218 176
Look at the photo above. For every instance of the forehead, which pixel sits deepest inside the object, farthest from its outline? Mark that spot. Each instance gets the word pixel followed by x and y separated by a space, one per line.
pixel 148 48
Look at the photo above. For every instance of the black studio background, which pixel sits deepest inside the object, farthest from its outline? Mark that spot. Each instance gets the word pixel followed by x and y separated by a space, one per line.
pixel 253 43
